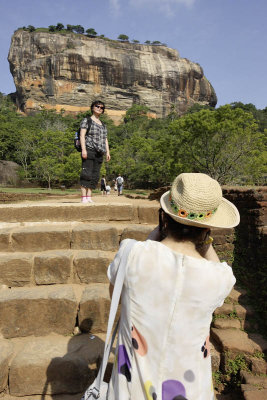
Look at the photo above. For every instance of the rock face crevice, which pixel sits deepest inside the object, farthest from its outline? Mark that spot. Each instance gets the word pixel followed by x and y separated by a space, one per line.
pixel 69 71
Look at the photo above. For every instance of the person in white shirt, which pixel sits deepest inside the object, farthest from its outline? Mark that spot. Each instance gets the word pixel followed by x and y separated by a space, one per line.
pixel 119 181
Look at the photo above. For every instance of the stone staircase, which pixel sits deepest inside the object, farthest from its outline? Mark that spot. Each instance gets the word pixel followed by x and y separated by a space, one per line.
pixel 54 300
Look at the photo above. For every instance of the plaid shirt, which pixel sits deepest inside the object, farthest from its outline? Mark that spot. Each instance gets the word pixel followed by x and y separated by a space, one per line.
pixel 96 138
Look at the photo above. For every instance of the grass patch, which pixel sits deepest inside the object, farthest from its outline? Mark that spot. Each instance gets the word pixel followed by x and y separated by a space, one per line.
pixel 38 191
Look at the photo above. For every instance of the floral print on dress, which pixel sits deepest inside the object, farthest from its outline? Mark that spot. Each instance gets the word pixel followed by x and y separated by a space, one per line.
pixel 167 303
pixel 124 364
pixel 150 391
pixel 173 390
pixel 139 342
pixel 206 347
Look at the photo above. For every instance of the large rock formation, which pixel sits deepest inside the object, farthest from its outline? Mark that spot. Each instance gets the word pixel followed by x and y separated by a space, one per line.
pixel 55 70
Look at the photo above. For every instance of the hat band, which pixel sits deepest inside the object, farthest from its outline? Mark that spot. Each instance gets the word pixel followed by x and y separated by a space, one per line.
pixel 181 212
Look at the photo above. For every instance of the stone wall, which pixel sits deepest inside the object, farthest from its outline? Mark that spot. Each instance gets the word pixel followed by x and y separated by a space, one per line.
pixel 249 254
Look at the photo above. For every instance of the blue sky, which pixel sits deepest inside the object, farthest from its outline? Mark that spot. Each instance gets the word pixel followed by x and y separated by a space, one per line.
pixel 226 37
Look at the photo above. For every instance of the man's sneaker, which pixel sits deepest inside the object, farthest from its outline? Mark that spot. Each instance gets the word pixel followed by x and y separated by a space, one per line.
pixel 84 199
pixel 89 199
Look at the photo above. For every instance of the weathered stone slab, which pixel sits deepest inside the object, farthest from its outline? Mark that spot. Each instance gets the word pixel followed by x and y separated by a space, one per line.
pixel 233 340
pixel 148 214
pixel 250 379
pixel 236 294
pixel 222 236
pixel 255 394
pixel 4 240
pixel 53 212
pixel 226 323
pixel 259 342
pixel 90 212
pixel 15 269
pixel 137 232
pixel 243 311
pixel 41 238
pixel 91 266
pixel 55 365
pixel 258 366
pixel 52 267
pixel 215 358
pixel 37 311
pixel 6 351
pixel 95 237
pixel 122 212
pixel 94 308
pixel 225 309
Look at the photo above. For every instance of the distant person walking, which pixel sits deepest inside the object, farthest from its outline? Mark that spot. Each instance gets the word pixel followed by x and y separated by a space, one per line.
pixel 108 189
pixel 103 185
pixel 94 144
pixel 119 181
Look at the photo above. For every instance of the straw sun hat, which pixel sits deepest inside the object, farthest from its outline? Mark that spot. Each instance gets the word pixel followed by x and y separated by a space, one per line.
pixel 196 199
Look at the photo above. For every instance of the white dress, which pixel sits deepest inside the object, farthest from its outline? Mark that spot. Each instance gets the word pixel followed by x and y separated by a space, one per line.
pixel 166 310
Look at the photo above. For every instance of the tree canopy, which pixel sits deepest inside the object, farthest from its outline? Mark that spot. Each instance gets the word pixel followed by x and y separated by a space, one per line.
pixel 227 143
pixel 123 37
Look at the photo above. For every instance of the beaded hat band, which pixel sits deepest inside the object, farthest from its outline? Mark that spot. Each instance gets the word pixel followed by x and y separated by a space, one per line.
pixel 189 214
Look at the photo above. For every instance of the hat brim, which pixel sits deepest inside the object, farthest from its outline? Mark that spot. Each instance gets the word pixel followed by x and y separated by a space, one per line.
pixel 226 215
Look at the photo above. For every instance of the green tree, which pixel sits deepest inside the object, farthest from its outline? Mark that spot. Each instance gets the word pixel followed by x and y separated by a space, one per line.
pixel 59 26
pixel 78 29
pixel 156 42
pixel 135 41
pixel 25 151
pixel 91 32
pixel 50 153
pixel 69 27
pixel 136 111
pixel 123 38
pixel 147 42
pixel 52 28
pixel 259 115
pixel 225 143
pixel 30 28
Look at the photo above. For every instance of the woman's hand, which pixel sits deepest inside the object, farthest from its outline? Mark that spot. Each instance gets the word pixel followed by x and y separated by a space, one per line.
pixel 107 156
pixel 84 154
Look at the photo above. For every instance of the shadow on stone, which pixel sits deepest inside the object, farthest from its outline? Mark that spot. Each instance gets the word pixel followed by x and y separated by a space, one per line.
pixel 77 369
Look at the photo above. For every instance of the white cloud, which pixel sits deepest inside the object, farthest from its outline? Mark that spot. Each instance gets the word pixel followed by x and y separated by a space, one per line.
pixel 165 6
pixel 115 6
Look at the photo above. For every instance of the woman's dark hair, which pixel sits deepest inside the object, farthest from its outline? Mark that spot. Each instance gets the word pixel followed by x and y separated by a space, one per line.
pixel 181 232
pixel 97 103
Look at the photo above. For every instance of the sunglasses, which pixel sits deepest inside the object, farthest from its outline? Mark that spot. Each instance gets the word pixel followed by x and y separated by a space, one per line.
pixel 101 107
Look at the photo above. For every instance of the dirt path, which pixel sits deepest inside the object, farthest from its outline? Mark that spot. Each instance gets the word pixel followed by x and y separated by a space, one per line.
pixel 9 198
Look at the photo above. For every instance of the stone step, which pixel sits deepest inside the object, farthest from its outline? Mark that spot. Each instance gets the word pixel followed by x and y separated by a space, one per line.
pixel 42 310
pixel 93 236
pixel 54 367
pixel 236 341
pixel 69 211
pixel 54 267
pixel 254 386
pixel 49 365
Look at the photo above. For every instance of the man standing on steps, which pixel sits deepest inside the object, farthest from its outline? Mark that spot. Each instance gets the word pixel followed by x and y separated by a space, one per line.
pixel 119 182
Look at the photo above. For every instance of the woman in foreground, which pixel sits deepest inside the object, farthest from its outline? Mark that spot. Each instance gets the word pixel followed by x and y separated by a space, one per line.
pixel 174 281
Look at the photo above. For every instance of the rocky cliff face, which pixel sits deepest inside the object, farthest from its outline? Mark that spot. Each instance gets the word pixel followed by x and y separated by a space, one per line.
pixel 69 71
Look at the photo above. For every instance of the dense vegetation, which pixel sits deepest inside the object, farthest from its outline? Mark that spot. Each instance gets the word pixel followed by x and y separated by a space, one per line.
pixel 227 143
pixel 59 28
